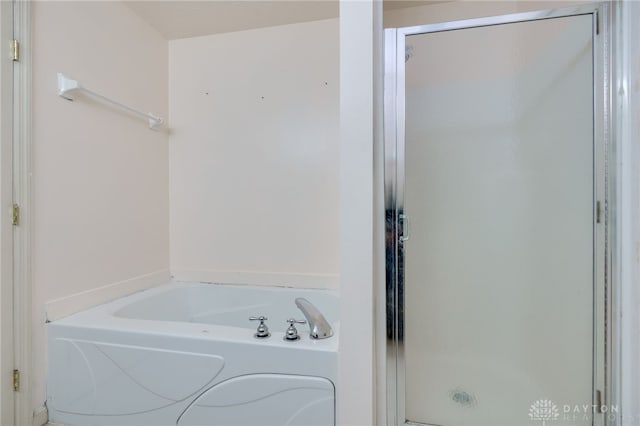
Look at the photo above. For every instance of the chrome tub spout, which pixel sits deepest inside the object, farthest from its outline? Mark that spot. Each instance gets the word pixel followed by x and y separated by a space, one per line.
pixel 318 325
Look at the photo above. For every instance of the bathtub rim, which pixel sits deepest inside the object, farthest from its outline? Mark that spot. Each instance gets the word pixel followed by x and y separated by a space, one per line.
pixel 103 317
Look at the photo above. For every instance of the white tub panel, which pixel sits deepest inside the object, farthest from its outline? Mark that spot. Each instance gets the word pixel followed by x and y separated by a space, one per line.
pixel 265 399
pixel 104 379
pixel 145 359
pixel 174 375
pixel 72 373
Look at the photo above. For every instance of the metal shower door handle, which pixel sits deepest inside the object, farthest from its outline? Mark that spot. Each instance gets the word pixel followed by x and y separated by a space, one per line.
pixel 404 225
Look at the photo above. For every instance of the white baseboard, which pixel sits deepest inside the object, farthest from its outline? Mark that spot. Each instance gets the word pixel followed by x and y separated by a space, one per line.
pixel 65 306
pixel 40 416
pixel 324 281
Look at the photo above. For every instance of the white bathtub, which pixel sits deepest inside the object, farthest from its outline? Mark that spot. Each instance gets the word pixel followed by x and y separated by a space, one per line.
pixel 184 354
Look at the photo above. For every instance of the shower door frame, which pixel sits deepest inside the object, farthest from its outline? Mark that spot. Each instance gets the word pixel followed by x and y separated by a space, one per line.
pixel 396 223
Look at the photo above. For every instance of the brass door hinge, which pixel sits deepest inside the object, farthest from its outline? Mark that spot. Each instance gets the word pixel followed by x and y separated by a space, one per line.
pixel 15 50
pixel 16 380
pixel 15 215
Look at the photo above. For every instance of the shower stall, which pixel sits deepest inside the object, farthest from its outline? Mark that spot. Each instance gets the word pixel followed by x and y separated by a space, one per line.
pixel 496 177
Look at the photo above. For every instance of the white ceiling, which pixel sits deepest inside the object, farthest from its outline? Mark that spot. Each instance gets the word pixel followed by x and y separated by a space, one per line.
pixel 185 18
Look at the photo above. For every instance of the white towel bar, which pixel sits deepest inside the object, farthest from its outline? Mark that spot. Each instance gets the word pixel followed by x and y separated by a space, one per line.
pixel 66 86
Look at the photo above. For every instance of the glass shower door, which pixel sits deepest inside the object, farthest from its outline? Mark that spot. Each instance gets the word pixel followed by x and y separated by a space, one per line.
pixel 496 214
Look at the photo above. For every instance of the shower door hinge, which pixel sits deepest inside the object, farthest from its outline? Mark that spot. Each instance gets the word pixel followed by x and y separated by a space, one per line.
pixel 15 215
pixel 15 50
pixel 16 380
pixel 598 212
pixel 598 404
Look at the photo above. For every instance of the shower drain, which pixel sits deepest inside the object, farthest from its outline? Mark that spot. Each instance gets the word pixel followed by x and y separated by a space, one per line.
pixel 462 397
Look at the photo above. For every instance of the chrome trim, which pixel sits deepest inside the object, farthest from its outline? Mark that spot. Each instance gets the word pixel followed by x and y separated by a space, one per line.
pixel 391 228
pixel 399 211
pixel 499 20
pixel 604 187
pixel 418 424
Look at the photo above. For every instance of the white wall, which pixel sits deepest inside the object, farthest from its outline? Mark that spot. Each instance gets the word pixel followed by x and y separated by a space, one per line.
pixel 101 176
pixel 254 156
pixel 457 10
pixel 628 215
pixel 356 358
pixel 444 12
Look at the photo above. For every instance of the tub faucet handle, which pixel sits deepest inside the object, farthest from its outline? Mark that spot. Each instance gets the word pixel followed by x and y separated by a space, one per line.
pixel 291 335
pixel 263 330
